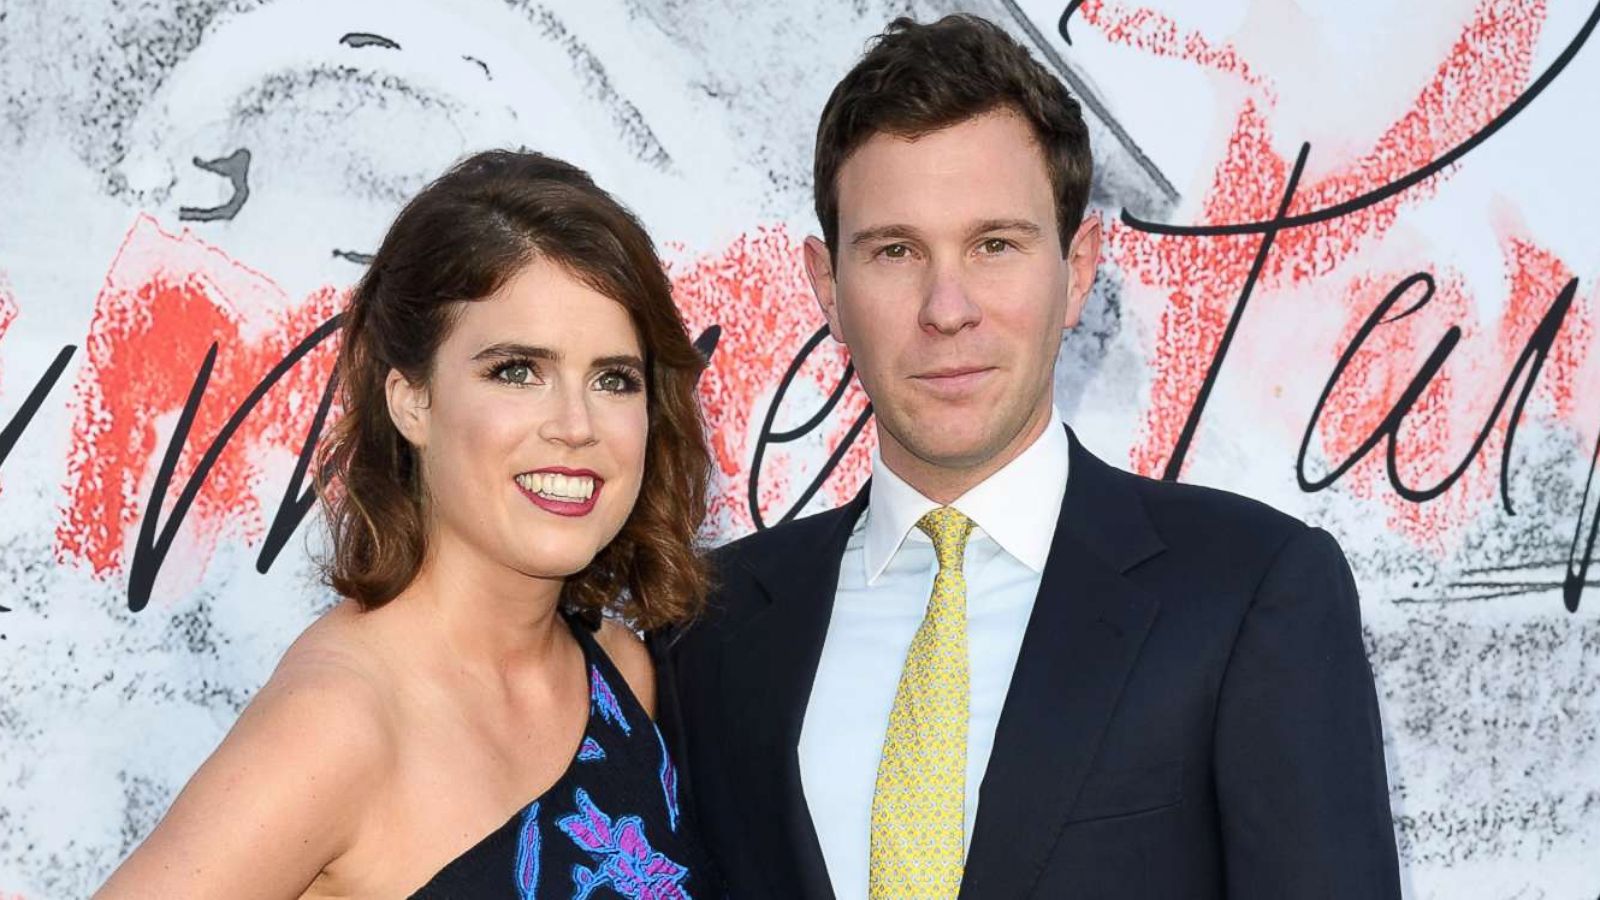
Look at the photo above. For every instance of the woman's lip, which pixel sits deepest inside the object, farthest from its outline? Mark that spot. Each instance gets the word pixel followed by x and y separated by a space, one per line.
pixel 563 470
pixel 568 508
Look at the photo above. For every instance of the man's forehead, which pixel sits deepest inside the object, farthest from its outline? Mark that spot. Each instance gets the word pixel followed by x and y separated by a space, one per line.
pixel 995 128
pixel 986 167
pixel 955 208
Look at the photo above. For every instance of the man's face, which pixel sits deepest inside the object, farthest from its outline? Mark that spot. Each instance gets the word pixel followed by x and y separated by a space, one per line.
pixel 951 290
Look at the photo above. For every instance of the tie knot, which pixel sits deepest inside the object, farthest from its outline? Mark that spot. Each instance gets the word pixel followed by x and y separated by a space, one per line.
pixel 948 529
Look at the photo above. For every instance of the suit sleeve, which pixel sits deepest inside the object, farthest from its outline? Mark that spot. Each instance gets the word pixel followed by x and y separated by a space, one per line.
pixel 1301 787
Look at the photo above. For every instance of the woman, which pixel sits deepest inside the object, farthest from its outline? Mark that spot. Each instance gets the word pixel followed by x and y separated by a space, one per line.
pixel 520 462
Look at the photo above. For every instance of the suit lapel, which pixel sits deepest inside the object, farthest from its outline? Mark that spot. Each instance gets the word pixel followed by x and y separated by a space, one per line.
pixel 768 671
pixel 1083 638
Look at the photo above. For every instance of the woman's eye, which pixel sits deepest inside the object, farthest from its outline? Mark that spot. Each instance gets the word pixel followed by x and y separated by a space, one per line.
pixel 617 383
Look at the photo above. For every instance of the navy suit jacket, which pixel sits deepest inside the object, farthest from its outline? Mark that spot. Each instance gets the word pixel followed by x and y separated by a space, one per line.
pixel 1191 715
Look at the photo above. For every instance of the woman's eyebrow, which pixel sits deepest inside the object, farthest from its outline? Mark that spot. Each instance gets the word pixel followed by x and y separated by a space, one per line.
pixel 619 359
pixel 512 350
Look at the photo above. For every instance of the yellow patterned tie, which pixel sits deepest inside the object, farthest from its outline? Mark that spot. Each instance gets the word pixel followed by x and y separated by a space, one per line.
pixel 919 805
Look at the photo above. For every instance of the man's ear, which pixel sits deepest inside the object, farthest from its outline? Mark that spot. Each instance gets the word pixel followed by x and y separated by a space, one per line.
pixel 819 269
pixel 408 407
pixel 1083 256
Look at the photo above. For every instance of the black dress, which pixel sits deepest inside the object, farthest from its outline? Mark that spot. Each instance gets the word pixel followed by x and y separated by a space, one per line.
pixel 610 827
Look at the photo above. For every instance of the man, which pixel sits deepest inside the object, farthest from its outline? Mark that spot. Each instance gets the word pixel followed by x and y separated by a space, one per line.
pixel 1007 668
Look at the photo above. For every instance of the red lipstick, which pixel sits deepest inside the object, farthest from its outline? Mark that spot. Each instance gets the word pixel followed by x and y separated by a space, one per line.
pixel 532 483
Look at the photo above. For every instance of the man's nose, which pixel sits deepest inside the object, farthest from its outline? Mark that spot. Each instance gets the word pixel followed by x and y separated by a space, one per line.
pixel 947 307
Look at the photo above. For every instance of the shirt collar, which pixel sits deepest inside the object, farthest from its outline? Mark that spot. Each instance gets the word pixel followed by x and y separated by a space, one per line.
pixel 1017 506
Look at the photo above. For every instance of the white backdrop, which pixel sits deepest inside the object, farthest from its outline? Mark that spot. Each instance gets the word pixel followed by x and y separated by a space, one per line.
pixel 180 175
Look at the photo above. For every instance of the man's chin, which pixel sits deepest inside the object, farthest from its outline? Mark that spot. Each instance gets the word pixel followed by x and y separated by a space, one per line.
pixel 957 442
pixel 953 451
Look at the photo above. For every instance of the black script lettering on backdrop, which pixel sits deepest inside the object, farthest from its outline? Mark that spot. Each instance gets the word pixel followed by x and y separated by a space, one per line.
pixel 150 550
pixel 767 436
pixel 1581 553
pixel 30 407
pixel 1532 359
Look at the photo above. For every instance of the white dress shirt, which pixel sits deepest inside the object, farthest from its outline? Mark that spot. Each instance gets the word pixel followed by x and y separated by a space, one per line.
pixel 885 579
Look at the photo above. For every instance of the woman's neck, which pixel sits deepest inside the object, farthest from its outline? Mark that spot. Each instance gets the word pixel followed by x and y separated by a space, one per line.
pixel 485 615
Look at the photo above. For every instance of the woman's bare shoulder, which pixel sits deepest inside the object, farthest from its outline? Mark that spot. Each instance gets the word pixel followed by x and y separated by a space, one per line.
pixel 305 758
pixel 342 646
pixel 334 673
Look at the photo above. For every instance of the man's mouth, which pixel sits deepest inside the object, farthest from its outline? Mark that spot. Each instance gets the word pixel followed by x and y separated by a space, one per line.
pixel 953 379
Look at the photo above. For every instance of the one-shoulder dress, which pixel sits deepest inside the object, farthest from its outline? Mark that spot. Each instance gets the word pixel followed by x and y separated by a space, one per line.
pixel 610 827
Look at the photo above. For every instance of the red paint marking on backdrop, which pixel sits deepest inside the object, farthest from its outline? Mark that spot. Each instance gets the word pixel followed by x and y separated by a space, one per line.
pixel 1441 427
pixel 165 300
pixel 756 289
pixel 8 314
pixel 8 305
pixel 1194 282
pixel 1158 35
pixel 1536 275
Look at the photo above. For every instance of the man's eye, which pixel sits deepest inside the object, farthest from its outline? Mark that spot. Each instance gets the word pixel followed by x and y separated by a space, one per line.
pixel 995 245
pixel 896 251
pixel 515 373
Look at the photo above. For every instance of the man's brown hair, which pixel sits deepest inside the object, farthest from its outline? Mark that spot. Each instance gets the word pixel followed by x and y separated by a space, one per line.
pixel 459 241
pixel 917 79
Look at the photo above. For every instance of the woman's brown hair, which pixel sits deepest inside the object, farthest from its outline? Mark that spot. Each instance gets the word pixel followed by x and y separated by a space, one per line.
pixel 459 241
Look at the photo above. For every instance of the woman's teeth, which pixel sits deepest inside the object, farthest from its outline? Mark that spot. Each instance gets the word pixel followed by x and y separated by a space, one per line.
pixel 574 488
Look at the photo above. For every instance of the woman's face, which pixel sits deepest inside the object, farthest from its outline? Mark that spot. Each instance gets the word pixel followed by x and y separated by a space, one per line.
pixel 532 426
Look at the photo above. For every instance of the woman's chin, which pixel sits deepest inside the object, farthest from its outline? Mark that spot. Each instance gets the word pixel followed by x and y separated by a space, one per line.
pixel 546 563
